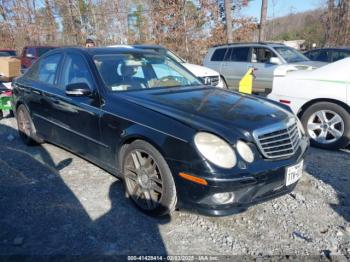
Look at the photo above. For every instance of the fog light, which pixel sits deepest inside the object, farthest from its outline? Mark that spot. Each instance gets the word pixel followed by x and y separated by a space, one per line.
pixel 223 198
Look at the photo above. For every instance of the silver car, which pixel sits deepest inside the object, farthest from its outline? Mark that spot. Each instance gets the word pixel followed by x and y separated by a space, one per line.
pixel 232 61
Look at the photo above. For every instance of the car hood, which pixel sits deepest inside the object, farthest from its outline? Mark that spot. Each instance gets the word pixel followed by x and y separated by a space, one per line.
pixel 200 71
pixel 211 109
pixel 316 64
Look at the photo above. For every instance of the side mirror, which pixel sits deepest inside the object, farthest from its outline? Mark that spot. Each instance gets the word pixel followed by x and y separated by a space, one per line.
pixel 78 89
pixel 275 61
pixel 29 55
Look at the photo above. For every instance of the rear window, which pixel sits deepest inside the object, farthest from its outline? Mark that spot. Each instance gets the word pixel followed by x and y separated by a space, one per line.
pixel 7 53
pixel 219 54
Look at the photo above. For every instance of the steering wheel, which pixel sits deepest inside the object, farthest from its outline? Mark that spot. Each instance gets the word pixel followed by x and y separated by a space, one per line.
pixel 177 79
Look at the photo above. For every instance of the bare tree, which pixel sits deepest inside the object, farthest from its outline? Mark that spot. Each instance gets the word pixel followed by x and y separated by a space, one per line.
pixel 228 17
pixel 263 18
pixel 180 25
pixel 337 24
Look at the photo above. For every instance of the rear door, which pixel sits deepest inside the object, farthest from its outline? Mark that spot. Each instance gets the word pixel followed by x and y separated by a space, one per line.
pixel 37 86
pixel 235 65
pixel 217 58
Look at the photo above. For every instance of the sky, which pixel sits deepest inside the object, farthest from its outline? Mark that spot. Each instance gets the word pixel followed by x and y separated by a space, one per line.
pixel 281 7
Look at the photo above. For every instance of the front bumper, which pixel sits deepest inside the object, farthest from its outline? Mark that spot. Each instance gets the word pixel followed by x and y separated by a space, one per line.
pixel 253 186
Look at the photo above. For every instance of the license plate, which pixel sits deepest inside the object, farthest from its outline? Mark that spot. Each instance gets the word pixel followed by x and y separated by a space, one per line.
pixel 294 173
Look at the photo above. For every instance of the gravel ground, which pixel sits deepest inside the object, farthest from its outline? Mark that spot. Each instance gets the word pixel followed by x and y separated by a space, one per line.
pixel 53 202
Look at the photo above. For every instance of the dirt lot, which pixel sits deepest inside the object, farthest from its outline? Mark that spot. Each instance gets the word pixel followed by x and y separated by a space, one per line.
pixel 53 202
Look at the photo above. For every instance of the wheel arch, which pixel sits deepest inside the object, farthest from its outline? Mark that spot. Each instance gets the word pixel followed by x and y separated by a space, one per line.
pixel 18 104
pixel 133 137
pixel 318 100
pixel 223 78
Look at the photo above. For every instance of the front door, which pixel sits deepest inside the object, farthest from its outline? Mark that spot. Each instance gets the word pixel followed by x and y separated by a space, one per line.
pixel 76 119
pixel 264 69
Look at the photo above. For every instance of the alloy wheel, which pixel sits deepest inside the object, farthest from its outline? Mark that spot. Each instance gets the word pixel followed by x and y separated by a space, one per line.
pixel 23 123
pixel 143 179
pixel 325 126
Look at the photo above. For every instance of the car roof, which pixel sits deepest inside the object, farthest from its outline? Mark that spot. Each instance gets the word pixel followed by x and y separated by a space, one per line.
pixel 92 51
pixel 140 46
pixel 149 46
pixel 40 46
pixel 7 49
pixel 271 44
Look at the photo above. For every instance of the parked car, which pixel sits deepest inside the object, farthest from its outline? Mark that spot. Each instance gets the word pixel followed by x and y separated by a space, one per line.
pixel 328 55
pixel 321 99
pixel 7 52
pixel 148 120
pixel 31 53
pixel 208 76
pixel 233 60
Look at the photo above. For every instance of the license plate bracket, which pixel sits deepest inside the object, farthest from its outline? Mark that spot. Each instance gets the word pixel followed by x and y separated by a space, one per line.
pixel 294 173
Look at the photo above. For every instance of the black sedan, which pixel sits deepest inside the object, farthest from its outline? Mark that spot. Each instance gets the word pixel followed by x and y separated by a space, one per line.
pixel 149 121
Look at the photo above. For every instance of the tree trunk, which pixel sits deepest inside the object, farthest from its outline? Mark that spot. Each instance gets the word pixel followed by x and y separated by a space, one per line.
pixel 329 24
pixel 263 18
pixel 228 16
pixel 51 30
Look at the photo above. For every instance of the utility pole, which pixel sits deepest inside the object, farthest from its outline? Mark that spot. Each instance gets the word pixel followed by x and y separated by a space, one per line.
pixel 228 16
pixel 263 20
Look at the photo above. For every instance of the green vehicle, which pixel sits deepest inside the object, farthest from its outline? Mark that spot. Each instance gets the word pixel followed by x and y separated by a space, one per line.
pixel 5 101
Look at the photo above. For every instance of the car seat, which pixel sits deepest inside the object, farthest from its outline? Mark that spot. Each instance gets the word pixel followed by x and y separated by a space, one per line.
pixel 127 72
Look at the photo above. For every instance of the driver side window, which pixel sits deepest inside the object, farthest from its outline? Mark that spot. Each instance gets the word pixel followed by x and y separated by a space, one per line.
pixel 262 55
pixel 75 70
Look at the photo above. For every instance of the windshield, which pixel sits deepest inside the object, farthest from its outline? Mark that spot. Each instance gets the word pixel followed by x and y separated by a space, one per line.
pixel 291 55
pixel 125 72
pixel 171 55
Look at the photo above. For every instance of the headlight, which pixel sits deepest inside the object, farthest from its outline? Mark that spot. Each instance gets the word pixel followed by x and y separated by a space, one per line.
pixel 215 150
pixel 300 126
pixel 245 151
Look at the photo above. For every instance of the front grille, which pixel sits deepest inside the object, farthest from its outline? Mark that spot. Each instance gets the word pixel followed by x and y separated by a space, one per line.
pixel 279 141
pixel 210 80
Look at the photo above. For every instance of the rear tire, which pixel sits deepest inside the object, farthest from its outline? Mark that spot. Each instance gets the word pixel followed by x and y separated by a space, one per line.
pixel 148 180
pixel 26 128
pixel 327 125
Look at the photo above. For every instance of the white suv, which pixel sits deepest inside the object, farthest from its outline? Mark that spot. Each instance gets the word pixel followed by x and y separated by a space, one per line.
pixel 233 60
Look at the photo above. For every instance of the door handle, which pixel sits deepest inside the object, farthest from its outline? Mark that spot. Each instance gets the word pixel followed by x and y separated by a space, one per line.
pixel 54 100
pixel 36 91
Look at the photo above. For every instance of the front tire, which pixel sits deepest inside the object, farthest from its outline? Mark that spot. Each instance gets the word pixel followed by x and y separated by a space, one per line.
pixel 148 179
pixel 328 125
pixel 26 128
